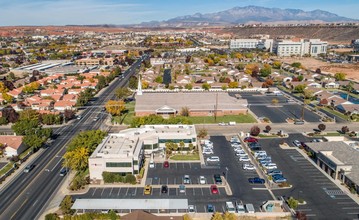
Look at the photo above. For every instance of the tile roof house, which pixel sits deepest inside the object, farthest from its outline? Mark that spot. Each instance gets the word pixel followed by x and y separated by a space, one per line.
pixel 13 145
pixel 349 109
pixel 62 105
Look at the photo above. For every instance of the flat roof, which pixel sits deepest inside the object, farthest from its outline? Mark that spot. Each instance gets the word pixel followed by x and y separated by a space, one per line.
pixel 194 101
pixel 142 204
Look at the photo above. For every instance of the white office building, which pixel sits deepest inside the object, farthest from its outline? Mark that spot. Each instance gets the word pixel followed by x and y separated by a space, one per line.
pixel 251 44
pixel 124 152
pixel 314 47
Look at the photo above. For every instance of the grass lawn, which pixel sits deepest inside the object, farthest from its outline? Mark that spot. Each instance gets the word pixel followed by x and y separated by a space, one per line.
pixel 185 157
pixel 340 115
pixel 6 168
pixel 23 154
pixel 210 119
pixel 127 117
pixel 267 136
pixel 329 134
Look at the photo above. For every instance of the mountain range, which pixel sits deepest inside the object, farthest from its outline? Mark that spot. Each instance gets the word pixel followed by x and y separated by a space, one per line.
pixel 250 14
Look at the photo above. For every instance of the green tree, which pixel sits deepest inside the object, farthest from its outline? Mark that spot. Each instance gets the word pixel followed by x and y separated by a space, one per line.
pixel 339 76
pixel 52 216
pixel 29 114
pixel 233 85
pixel 296 65
pixel 66 205
pixel 206 86
pixel 132 84
pixel 293 203
pixel 184 111
pixel 33 141
pixel 101 82
pixel 23 126
pixel 277 64
pixel 188 86
pixel 122 93
pixel 300 88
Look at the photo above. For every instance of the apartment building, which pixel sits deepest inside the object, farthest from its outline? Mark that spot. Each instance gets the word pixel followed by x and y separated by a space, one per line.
pixel 251 44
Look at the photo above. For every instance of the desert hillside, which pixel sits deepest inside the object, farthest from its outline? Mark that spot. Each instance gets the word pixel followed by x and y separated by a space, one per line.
pixel 342 34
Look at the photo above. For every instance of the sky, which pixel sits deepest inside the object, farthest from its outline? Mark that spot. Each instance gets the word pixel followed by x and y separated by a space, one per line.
pixel 84 12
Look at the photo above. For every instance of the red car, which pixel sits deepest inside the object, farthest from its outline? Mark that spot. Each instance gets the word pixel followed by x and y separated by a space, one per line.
pixel 166 164
pixel 214 189
pixel 250 139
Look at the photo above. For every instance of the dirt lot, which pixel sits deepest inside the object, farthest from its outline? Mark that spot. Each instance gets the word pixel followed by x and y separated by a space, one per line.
pixel 351 70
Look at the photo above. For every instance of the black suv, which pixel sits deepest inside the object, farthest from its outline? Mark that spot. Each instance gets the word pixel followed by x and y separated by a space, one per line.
pixel 164 189
pixel 217 178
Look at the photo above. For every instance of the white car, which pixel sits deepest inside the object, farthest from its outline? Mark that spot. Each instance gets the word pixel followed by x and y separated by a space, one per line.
pixel 236 144
pixel 152 164
pixel 248 166
pixel 191 209
pixel 213 159
pixel 241 154
pixel 244 159
pixel 270 166
pixel 297 143
pixel 202 180
pixel 207 152
pixel 258 153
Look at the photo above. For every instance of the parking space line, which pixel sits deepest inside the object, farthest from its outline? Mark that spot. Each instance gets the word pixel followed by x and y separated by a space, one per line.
pixel 135 191
pixel 128 189
pixel 204 208
pixel 183 165
pixel 202 191
pixel 102 191
pixel 167 181
pixel 94 192
pixel 119 192
pixel 194 192
pixel 190 167
pixel 224 210
pixel 346 202
pixel 159 181
pixel 353 213
pixel 111 191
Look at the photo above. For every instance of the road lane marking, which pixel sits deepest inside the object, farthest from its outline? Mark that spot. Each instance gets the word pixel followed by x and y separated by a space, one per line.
pixel 103 189
pixel 25 201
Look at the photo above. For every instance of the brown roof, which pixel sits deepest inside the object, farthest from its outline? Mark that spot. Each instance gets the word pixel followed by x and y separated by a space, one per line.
pixel 11 141
pixel 142 215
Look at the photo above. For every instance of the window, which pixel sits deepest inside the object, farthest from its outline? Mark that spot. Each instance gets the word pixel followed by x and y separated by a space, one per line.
pixel 147 146
pixel 135 162
pixel 155 146
pixel 123 164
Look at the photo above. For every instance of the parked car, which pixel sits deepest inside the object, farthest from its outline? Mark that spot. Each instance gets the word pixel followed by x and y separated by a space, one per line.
pixel 202 180
pixel 214 189
pixel 186 179
pixel 29 168
pixel 95 118
pixel 297 143
pixel 152 164
pixel 217 179
pixel 250 208
pixel 256 180
pixel 244 159
pixel 191 209
pixel 79 117
pixel 258 153
pixel 166 164
pixel 164 189
pixel 270 166
pixel 230 207
pixel 241 154
pixel 182 188
pixel 274 172
pixel 147 190
pixel 207 151
pixel 250 139
pixel 278 178
pixel 213 159
pixel 210 208
pixel 248 166
pixel 240 208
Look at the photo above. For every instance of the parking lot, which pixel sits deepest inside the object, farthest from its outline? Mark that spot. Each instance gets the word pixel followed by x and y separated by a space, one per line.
pixel 261 106
pixel 324 199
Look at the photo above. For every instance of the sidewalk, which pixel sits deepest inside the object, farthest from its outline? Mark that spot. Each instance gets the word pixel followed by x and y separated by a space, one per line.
pixel 355 197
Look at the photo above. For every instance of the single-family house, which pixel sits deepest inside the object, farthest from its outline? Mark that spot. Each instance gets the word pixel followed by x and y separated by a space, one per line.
pixel 63 105
pixel 13 145
pixel 348 109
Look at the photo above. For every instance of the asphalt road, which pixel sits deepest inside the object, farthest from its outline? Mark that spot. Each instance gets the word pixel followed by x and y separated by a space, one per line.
pixel 28 193
pixel 324 199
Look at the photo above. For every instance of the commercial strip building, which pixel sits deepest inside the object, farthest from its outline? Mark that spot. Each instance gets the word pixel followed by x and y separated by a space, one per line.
pixel 198 104
pixel 124 152
pixel 159 205
pixel 300 47
pixel 338 159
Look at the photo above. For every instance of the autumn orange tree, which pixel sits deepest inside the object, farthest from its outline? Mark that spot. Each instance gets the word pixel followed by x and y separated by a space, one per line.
pixel 115 107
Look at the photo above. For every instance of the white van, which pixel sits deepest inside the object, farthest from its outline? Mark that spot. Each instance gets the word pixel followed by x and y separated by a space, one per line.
pixel 230 207
pixel 250 208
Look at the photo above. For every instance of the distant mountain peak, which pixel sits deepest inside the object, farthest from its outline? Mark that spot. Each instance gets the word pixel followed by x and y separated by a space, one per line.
pixel 253 13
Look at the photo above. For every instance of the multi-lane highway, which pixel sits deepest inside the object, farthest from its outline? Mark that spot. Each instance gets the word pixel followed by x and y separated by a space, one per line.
pixel 25 197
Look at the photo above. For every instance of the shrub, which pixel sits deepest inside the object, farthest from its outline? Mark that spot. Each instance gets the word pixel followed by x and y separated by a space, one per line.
pixel 345 129
pixel 130 179
pixel 79 181
pixel 293 203
pixel 268 128
pixel 322 127
pixel 51 216
pixel 66 205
